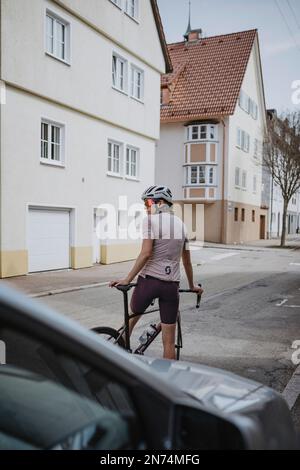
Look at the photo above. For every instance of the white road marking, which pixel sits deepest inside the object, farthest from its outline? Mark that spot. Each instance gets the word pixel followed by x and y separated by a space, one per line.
pixel 291 391
pixel 294 264
pixel 282 303
pixel 292 306
pixel 223 256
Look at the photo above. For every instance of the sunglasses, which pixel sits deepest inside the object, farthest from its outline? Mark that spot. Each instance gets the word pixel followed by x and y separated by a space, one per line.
pixel 149 203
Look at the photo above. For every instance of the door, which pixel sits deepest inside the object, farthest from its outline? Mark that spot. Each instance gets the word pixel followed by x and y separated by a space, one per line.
pixel 262 227
pixel 48 240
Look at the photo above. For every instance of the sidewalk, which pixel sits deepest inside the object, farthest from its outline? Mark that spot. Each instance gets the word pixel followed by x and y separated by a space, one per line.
pixel 55 282
pixel 292 243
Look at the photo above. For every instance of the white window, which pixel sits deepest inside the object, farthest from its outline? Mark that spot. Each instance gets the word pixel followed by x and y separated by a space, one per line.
pixel 137 83
pixel 237 176
pixel 243 140
pixel 132 157
pixel 132 8
pixel 195 175
pixel 195 133
pixel 117 2
pixel 200 174
pixel 254 110
pixel 246 142
pixel 57 37
pixel 254 183
pixel 211 175
pixel 202 132
pixel 52 135
pixel 248 105
pixel 119 72
pixel 255 151
pixel 239 138
pixel 114 158
pixel 244 180
pixel 244 101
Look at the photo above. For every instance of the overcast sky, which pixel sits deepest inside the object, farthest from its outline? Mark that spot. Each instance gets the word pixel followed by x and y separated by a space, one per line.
pixel 278 24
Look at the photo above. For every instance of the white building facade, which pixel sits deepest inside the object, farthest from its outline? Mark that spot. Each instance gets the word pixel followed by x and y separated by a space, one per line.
pixel 213 122
pixel 276 212
pixel 80 86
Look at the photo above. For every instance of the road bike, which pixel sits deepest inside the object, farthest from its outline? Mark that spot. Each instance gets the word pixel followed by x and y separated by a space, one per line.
pixel 121 337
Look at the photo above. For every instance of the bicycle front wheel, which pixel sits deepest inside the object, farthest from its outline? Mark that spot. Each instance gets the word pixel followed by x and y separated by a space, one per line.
pixel 110 334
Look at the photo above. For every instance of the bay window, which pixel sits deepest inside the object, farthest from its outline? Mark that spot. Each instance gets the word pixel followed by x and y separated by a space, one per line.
pixel 200 175
pixel 201 132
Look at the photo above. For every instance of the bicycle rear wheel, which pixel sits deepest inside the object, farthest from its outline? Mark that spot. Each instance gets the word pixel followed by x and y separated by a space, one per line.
pixel 110 334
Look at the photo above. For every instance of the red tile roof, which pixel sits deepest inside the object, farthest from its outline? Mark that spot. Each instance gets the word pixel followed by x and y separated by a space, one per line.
pixel 207 76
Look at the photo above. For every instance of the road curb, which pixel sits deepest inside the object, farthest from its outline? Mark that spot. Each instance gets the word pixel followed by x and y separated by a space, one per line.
pixel 68 289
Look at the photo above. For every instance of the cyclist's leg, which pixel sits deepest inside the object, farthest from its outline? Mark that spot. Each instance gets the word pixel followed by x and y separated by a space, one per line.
pixel 142 296
pixel 168 337
pixel 168 304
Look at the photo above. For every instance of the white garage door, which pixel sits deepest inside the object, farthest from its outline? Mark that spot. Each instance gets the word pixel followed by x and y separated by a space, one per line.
pixel 48 240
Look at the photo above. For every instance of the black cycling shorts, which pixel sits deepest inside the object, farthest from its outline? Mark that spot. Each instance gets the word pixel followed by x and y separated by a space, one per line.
pixel 150 288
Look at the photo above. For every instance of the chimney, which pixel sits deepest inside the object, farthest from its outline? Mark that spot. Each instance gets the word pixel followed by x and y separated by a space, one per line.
pixel 192 35
pixel 165 95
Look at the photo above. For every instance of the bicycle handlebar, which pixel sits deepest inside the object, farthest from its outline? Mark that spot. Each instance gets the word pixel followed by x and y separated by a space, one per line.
pixel 128 287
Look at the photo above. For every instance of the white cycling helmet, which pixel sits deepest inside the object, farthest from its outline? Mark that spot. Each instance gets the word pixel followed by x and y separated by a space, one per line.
pixel 158 192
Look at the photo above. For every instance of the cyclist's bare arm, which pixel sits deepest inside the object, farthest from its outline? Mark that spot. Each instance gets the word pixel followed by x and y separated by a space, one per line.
pixel 141 260
pixel 187 263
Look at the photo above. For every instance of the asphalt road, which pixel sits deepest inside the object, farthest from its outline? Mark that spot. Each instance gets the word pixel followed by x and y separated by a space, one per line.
pixel 249 316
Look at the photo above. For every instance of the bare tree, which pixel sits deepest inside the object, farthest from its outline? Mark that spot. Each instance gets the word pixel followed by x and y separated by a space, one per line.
pixel 282 157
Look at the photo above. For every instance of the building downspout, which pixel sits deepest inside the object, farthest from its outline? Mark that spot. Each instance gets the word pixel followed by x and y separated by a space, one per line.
pixel 223 218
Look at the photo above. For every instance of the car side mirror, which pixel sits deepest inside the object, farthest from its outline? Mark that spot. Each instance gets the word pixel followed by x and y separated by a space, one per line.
pixel 198 429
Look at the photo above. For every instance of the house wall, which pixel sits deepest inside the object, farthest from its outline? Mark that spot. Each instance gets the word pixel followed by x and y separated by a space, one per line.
pixel 79 96
pixel 255 128
pixel 169 159
pixel 85 84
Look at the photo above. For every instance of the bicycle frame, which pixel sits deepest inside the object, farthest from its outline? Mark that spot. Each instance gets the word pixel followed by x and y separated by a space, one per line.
pixel 127 317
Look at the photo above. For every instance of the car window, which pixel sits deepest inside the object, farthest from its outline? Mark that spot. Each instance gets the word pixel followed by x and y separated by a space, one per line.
pixel 39 413
pixel 30 354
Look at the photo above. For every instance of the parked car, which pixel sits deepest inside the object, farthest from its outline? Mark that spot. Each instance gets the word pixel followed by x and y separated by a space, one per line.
pixel 156 404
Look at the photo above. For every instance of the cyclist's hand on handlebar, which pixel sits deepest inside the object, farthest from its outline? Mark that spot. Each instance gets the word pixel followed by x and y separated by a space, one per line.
pixel 197 289
pixel 121 282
